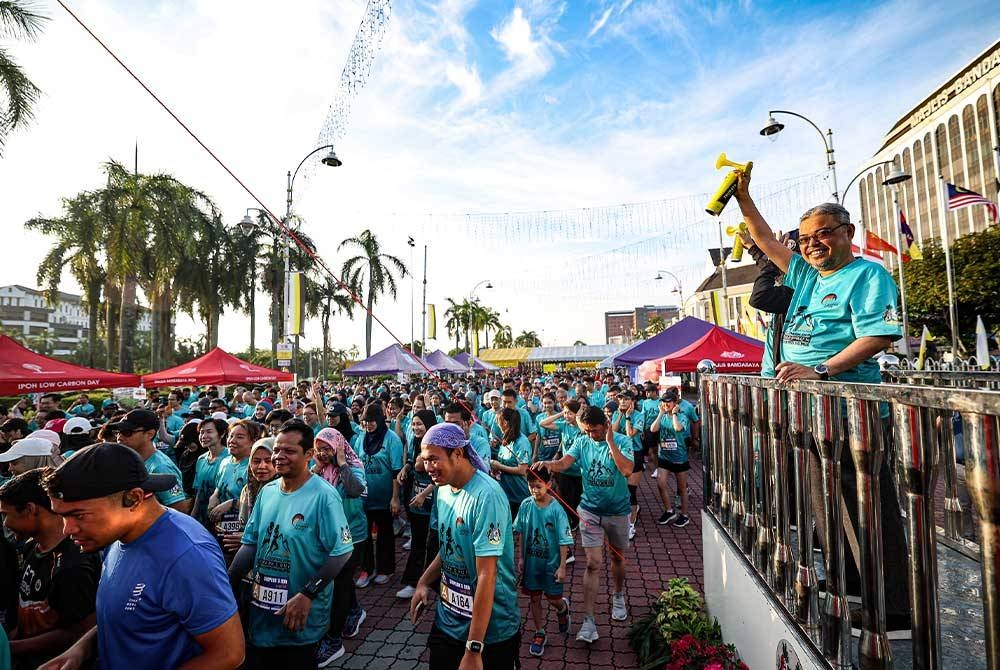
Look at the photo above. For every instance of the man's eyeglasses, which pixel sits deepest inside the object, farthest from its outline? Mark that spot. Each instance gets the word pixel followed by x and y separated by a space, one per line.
pixel 821 235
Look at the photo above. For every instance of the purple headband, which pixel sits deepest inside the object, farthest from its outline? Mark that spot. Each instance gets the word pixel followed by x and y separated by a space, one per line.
pixel 450 436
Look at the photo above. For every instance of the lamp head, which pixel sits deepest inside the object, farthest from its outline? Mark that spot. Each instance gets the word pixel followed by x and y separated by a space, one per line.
pixel 331 159
pixel 247 225
pixel 772 128
pixel 489 284
pixel 658 276
pixel 896 176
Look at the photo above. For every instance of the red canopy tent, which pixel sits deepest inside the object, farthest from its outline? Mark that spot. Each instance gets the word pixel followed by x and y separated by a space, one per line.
pixel 24 371
pixel 731 354
pixel 215 367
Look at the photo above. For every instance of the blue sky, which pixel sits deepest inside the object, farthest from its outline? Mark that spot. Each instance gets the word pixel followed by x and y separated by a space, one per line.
pixel 488 106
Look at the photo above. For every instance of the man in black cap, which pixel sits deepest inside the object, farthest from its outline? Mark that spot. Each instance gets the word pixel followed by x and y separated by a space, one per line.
pixel 153 610
pixel 136 430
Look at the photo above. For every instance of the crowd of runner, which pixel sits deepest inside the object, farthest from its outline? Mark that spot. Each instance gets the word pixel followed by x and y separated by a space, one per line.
pixel 201 528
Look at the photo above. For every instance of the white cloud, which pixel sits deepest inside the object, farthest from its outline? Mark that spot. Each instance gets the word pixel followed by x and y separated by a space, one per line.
pixel 600 22
pixel 468 83
pixel 529 56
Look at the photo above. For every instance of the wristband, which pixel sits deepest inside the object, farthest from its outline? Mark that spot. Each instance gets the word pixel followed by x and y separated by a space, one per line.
pixel 312 589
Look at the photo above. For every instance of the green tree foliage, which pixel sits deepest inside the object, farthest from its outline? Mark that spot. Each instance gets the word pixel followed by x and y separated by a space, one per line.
pixel 18 94
pixel 528 338
pixel 373 272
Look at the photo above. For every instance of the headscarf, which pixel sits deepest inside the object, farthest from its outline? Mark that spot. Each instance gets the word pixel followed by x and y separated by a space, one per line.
pixel 373 440
pixel 428 418
pixel 450 436
pixel 249 494
pixel 344 425
pixel 333 437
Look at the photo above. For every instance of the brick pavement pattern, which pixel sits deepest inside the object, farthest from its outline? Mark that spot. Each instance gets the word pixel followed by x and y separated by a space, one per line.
pixel 388 641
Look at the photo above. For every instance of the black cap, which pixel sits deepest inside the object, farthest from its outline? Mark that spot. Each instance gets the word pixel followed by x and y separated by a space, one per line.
pixel 611 405
pixel 15 423
pixel 137 419
pixel 193 414
pixel 338 407
pixel 669 396
pixel 102 469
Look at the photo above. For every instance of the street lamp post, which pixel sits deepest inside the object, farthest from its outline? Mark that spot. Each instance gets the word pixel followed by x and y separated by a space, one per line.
pixel 678 289
pixel 773 127
pixel 472 298
pixel 895 178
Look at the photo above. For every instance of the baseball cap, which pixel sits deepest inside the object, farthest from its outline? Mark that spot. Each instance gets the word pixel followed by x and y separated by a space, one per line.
pixel 29 446
pixel 76 426
pixel 50 436
pixel 137 419
pixel 102 469
pixel 493 394
pixel 669 396
pixel 220 415
pixel 55 425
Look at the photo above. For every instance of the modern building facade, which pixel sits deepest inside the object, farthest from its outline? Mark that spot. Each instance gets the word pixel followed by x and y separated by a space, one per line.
pixel 620 326
pixel 950 136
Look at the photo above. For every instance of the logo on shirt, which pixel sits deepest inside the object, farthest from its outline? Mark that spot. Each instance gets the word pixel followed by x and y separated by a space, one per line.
pixel 493 534
pixel 538 546
pixel 891 315
pixel 828 298
pixel 345 535
pixel 299 522
pixel 136 596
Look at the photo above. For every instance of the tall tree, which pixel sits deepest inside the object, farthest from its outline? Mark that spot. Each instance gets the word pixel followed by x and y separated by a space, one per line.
pixel 456 319
pixel 372 272
pixel 504 338
pixel 528 338
pixel 332 299
pixel 19 95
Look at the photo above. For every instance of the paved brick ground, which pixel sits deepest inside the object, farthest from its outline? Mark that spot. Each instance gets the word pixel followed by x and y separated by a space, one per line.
pixel 659 553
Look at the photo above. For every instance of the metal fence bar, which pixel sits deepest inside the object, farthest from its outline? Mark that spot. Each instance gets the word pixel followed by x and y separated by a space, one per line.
pixel 806 608
pixel 763 544
pixel 781 562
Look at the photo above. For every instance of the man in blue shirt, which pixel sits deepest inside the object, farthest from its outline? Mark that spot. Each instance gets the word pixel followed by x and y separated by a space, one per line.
pixel 153 609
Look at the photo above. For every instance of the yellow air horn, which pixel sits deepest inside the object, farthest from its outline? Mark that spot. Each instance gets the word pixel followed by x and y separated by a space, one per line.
pixel 725 192
pixel 737 252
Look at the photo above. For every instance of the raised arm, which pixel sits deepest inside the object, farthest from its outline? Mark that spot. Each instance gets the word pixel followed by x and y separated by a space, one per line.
pixel 761 233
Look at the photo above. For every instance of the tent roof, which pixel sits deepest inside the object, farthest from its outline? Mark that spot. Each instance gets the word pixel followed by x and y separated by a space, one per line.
pixel 730 353
pixel 587 352
pixel 476 364
pixel 681 334
pixel 24 371
pixel 515 354
pixel 215 367
pixel 442 362
pixel 392 360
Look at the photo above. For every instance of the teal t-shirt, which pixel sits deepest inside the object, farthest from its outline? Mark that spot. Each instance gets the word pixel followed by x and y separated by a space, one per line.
pixel 543 530
pixel 160 464
pixel 230 479
pixel 568 432
pixel 482 447
pixel 650 408
pixel 513 455
pixel 598 397
pixel 637 423
pixel 827 314
pixel 672 445
pixel 475 521
pixel 605 488
pixel 477 430
pixel 549 440
pixel 174 423
pixel 354 508
pixel 690 411
pixel 380 468
pixel 205 472
pixel 294 534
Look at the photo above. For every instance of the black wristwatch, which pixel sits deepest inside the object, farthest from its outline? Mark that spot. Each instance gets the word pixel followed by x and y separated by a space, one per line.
pixel 822 371
pixel 475 646
pixel 312 589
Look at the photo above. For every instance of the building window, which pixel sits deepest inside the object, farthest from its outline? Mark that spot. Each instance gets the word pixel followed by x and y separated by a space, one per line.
pixel 985 150
pixel 909 189
pixel 932 185
pixel 971 142
pixel 922 226
pixel 958 176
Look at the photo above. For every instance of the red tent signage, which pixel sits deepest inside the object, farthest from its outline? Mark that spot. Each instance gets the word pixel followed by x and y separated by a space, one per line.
pixel 215 367
pixel 729 352
pixel 24 371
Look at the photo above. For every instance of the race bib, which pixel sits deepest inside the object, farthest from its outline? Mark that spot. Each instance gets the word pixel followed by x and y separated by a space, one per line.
pixel 552 443
pixel 456 596
pixel 270 593
pixel 667 448
pixel 229 523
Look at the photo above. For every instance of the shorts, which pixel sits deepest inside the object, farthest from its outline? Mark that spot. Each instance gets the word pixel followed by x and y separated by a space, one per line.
pixel 673 467
pixel 551 590
pixel 446 652
pixel 639 459
pixel 593 529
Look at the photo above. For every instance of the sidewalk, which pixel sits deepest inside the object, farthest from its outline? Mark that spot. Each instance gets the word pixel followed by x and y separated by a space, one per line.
pixel 388 641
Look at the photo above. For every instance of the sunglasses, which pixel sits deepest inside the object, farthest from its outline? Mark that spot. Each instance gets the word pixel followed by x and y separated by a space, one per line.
pixel 820 235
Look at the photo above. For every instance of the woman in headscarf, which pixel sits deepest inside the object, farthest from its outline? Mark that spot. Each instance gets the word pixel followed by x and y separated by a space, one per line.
pixel 339 465
pixel 188 449
pixel 381 451
pixel 260 471
pixel 420 505
pixel 513 459
pixel 339 417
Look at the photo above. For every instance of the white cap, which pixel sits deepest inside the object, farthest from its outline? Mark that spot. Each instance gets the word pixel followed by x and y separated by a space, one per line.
pixel 50 435
pixel 220 415
pixel 493 394
pixel 77 426
pixel 195 421
pixel 29 446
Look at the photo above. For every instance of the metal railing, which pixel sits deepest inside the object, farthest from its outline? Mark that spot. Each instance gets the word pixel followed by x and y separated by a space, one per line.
pixel 753 428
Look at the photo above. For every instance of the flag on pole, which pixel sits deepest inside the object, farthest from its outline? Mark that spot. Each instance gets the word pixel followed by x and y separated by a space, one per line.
pixel 761 322
pixel 875 243
pixel 912 250
pixel 868 254
pixel 296 303
pixel 431 322
pixel 959 197
pixel 925 336
pixel 982 345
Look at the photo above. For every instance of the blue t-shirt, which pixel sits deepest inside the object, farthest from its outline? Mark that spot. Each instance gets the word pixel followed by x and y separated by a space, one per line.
pixel 475 521
pixel 690 411
pixel 158 593
pixel 294 534
pixel 160 464
pixel 513 455
pixel 650 408
pixel 548 441
pixel 543 530
pixel 380 468
pixel 174 424
pixel 205 472
pixel 477 430
pixel 605 488
pixel 82 410
pixel 482 447
pixel 827 314
pixel 672 445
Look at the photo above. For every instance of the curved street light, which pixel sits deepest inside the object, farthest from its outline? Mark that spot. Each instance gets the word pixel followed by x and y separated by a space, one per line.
pixel 472 293
pixel 896 176
pixel 678 289
pixel 773 127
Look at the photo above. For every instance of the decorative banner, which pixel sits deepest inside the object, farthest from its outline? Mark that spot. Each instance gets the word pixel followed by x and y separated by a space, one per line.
pixel 475 343
pixel 296 310
pixel 432 323
pixel 284 355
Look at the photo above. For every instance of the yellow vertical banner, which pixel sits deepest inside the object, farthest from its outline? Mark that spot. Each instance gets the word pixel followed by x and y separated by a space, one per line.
pixel 475 343
pixel 296 303
pixel 716 313
pixel 431 322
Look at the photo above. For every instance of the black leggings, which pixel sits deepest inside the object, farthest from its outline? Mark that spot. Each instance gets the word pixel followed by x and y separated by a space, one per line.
pixel 287 658
pixel 379 554
pixel 345 597
pixel 570 490
pixel 447 652
pixel 423 548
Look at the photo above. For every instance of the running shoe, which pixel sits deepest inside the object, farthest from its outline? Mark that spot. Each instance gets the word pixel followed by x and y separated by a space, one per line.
pixel 563 616
pixel 619 612
pixel 667 517
pixel 407 530
pixel 406 592
pixel 408 545
pixel 363 580
pixel 681 521
pixel 571 558
pixel 656 473
pixel 537 647
pixel 330 649
pixel 353 623
pixel 631 531
pixel 588 630
pixel 382 579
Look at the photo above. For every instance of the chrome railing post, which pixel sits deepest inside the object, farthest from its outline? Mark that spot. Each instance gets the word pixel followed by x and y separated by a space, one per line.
pixel 867 449
pixel 718 464
pixel 736 465
pixel 781 561
pixel 918 470
pixel 982 472
pixel 707 435
pixel 726 457
pixel 953 522
pixel 806 605
pixel 765 519
pixel 836 621
pixel 748 529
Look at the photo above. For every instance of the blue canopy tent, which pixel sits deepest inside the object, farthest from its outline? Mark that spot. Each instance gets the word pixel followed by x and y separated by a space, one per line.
pixel 392 360
pixel 474 363
pixel 442 362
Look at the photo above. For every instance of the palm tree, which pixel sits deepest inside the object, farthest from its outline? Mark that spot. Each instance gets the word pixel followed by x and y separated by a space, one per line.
pixel 527 338
pixel 273 272
pixel 332 298
pixel 655 326
pixel 43 342
pixel 504 338
pixel 492 322
pixel 17 22
pixel 456 319
pixel 372 273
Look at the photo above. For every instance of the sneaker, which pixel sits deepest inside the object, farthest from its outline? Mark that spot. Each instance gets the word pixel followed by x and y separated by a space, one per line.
pixel 588 630
pixel 563 616
pixel 681 520
pixel 407 530
pixel 571 558
pixel 619 612
pixel 408 545
pixel 330 649
pixel 667 517
pixel 656 473
pixel 382 579
pixel 397 526
pixel 406 592
pixel 353 623
pixel 537 647
pixel 363 580
pixel 631 531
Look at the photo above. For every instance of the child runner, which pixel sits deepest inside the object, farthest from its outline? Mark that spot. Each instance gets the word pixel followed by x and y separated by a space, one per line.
pixel 672 456
pixel 542 526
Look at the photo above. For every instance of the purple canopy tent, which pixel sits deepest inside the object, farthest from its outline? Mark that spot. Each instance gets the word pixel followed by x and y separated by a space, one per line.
pixel 477 365
pixel 392 360
pixel 685 332
pixel 442 362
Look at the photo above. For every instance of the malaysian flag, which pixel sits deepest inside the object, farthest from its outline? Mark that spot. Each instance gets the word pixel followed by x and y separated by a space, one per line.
pixel 959 197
